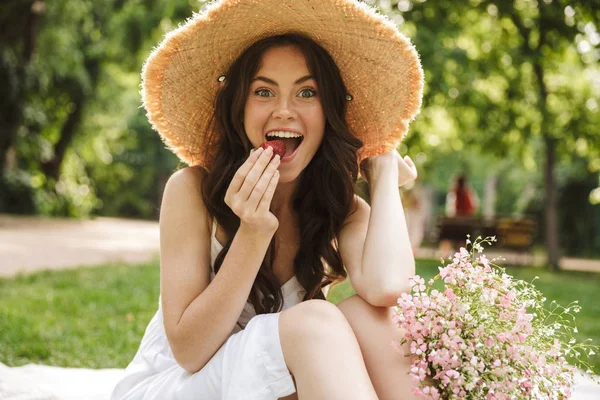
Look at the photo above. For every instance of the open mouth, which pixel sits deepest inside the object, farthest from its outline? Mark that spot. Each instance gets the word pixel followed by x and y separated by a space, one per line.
pixel 291 143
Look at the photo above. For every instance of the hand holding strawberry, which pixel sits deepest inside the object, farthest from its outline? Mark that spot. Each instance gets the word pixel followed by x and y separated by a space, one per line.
pixel 277 145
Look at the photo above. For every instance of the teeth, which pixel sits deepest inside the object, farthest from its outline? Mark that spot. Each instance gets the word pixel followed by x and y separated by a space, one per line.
pixel 283 134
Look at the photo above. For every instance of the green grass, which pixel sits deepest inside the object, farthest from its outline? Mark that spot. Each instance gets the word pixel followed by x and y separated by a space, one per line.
pixel 95 317
pixel 88 317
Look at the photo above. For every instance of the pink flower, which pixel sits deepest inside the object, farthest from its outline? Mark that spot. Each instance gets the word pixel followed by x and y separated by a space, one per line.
pixel 475 337
pixel 450 294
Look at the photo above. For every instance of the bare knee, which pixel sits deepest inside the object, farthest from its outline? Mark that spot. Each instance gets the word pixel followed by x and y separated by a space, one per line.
pixel 311 317
pixel 310 329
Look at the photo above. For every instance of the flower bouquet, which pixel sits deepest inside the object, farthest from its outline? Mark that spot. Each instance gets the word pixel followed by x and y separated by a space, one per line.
pixel 486 335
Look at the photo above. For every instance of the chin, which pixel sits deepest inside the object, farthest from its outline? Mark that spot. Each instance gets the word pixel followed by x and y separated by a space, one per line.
pixel 287 178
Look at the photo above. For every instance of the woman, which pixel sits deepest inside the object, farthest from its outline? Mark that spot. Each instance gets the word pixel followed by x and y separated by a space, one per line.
pixel 461 200
pixel 249 239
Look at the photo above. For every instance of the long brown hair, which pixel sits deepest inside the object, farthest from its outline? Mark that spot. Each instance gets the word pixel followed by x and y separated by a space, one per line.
pixel 325 192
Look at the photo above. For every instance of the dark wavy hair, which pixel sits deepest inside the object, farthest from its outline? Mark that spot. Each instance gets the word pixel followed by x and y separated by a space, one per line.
pixel 325 192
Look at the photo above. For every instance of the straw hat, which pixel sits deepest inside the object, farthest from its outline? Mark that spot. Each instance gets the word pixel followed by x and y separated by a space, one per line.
pixel 379 65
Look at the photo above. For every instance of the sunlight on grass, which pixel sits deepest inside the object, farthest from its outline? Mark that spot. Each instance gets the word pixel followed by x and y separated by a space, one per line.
pixel 89 317
pixel 95 317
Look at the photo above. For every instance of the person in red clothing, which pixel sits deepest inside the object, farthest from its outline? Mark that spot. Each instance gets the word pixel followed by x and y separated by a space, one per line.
pixel 462 200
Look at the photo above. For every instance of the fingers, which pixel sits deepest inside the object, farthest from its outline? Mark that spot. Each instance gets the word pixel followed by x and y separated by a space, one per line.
pixel 265 202
pixel 253 177
pixel 238 179
pixel 263 183
pixel 412 166
pixel 407 170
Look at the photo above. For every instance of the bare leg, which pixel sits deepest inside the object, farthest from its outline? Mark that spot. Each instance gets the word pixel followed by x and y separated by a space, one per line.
pixel 375 330
pixel 322 353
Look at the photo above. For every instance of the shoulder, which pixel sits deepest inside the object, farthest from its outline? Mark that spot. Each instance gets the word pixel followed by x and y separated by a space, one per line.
pixel 182 197
pixel 186 177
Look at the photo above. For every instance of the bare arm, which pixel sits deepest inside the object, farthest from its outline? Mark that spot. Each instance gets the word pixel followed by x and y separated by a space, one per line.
pixel 387 259
pixel 199 316
pixel 374 242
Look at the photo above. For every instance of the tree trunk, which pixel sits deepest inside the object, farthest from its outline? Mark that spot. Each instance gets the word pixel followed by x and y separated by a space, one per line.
pixel 551 204
pixel 79 97
pixel 18 26
pixel 550 201
pixel 51 167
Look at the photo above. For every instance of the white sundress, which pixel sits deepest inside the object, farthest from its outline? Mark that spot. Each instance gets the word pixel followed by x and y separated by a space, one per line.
pixel 249 365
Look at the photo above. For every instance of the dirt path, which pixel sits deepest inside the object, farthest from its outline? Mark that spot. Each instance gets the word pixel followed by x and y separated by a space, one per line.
pixel 28 244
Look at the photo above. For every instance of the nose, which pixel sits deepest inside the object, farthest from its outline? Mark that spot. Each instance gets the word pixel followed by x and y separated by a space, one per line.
pixel 284 109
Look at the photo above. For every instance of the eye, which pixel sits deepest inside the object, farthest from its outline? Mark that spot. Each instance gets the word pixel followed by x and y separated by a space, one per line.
pixel 259 91
pixel 314 93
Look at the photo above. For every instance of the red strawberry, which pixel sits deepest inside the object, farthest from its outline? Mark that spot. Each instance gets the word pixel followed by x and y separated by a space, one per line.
pixel 277 145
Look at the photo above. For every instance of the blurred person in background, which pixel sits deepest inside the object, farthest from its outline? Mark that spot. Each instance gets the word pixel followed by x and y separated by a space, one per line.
pixel 462 203
pixel 461 200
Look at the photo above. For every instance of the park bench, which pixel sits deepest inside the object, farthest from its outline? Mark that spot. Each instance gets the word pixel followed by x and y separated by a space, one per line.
pixel 512 233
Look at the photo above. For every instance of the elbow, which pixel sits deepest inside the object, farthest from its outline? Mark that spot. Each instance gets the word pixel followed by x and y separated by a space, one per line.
pixel 185 358
pixel 189 365
pixel 388 295
pixel 385 298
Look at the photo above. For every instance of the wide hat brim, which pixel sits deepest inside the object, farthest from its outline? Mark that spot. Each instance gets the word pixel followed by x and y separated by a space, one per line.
pixel 379 65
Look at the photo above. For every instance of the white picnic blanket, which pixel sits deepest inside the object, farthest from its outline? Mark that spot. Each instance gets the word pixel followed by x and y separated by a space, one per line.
pixel 42 382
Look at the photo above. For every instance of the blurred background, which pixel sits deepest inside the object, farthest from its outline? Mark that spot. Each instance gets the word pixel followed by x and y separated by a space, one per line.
pixel 511 105
pixel 511 99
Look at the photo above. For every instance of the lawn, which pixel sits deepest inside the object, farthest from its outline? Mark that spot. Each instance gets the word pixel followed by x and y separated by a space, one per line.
pixel 95 317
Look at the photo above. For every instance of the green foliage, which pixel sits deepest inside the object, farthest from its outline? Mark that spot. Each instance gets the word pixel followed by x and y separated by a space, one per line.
pixel 484 61
pixel 79 108
pixel 71 106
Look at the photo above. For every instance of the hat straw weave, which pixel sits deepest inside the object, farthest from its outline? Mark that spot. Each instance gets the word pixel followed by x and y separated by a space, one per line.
pixel 379 65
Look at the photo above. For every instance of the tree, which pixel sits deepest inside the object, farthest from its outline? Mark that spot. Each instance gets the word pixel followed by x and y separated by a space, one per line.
pixel 512 79
pixel 19 25
pixel 55 55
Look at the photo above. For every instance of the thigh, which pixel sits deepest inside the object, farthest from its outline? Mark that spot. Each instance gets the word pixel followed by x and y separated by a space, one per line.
pixel 375 330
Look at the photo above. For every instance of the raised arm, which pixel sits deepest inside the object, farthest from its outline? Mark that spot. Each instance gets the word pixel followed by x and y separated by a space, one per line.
pixel 199 316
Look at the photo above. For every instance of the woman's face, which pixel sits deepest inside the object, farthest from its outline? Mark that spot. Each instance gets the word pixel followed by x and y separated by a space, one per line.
pixel 283 96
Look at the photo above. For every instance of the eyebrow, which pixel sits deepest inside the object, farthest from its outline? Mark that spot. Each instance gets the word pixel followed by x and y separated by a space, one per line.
pixel 272 82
